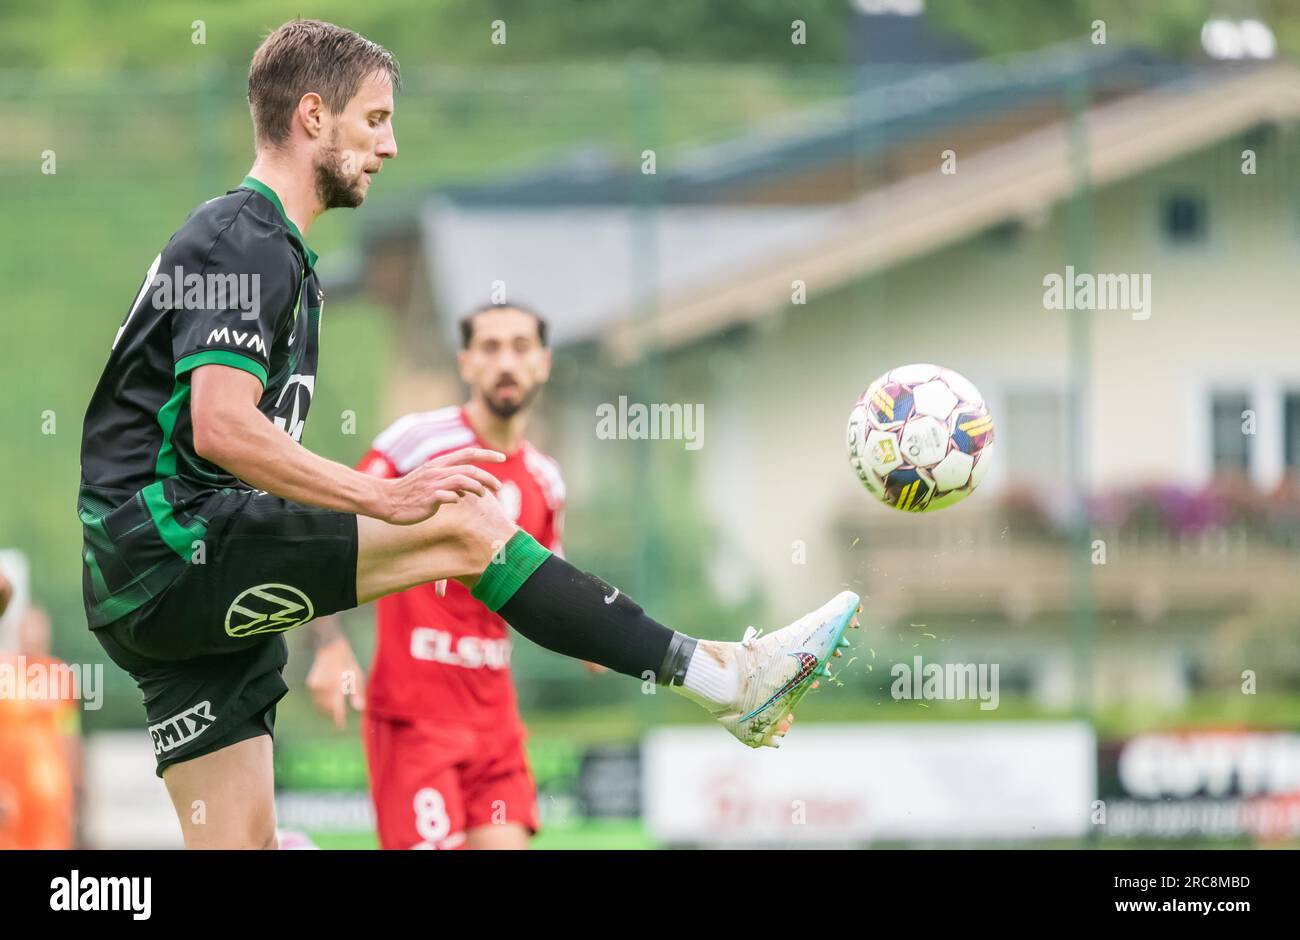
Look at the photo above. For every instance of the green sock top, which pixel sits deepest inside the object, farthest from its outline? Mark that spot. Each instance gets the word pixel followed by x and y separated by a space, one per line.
pixel 509 569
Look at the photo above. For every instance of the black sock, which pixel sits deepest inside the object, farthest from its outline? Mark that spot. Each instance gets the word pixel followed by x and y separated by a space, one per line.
pixel 568 611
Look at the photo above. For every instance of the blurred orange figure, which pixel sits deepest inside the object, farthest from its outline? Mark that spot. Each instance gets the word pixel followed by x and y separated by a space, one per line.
pixel 39 743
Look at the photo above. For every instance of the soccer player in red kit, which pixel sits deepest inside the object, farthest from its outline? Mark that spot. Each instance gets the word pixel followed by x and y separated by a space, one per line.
pixel 443 737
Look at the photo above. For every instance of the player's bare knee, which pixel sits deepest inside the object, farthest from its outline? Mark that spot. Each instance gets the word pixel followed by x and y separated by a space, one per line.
pixel 257 834
pixel 479 527
pixel 253 833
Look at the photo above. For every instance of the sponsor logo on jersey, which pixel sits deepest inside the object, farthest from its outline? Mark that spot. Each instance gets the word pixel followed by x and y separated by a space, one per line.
pixel 293 425
pixel 268 608
pixel 468 652
pixel 180 729
pixel 228 337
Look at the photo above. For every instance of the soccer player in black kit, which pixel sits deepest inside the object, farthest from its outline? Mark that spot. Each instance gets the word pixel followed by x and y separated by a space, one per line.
pixel 209 530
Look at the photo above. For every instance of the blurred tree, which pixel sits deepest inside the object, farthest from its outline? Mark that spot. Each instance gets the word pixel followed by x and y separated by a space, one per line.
pixel 97 35
pixel 108 34
pixel 1172 26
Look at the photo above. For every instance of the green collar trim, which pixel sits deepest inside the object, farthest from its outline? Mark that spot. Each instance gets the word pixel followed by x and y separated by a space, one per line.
pixel 262 189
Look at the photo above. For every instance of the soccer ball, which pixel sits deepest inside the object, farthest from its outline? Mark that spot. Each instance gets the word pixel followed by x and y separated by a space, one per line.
pixel 920 438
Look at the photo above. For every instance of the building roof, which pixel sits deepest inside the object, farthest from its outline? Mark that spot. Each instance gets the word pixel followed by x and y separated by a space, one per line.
pixel 720 237
pixel 1017 179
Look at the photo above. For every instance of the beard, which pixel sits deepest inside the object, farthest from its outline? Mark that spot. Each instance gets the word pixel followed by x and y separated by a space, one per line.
pixel 505 410
pixel 333 187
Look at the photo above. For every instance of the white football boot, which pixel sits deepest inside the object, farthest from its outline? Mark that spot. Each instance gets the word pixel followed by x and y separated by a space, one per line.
pixel 778 669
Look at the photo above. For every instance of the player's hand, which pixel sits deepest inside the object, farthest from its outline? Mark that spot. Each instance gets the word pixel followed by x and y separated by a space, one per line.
pixel 443 480
pixel 594 668
pixel 336 681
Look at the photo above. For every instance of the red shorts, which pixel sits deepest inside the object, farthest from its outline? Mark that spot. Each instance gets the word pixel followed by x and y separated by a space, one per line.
pixel 431 782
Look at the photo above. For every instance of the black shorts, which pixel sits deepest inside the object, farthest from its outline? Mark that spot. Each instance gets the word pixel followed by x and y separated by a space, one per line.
pixel 209 652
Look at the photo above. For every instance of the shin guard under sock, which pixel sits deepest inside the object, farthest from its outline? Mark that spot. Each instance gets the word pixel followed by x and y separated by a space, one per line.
pixel 577 614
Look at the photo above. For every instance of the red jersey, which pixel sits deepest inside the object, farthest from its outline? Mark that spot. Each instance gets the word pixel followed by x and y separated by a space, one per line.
pixel 449 657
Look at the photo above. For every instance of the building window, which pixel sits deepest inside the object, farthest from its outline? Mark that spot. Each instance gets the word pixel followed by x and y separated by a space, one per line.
pixel 1004 235
pixel 1034 435
pixel 1228 426
pixel 1182 218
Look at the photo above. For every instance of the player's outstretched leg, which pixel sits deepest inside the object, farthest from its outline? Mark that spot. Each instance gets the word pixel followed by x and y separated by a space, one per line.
pixel 751 687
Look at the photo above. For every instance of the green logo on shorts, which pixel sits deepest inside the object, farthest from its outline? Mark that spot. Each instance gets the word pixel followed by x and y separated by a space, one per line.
pixel 268 608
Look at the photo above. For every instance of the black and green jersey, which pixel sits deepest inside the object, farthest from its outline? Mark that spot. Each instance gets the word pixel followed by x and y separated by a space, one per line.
pixel 234 286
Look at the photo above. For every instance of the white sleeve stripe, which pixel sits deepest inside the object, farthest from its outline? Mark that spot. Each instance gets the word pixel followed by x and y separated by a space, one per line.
pixel 547 474
pixel 431 447
pixel 552 469
pixel 394 431
pixel 433 419
pixel 408 421
pixel 417 438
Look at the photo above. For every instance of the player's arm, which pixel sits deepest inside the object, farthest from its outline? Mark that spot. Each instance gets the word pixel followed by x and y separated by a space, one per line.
pixel 225 355
pixel 336 679
pixel 230 432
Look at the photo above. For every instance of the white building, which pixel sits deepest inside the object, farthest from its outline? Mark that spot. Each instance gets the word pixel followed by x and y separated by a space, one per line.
pixel 920 224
